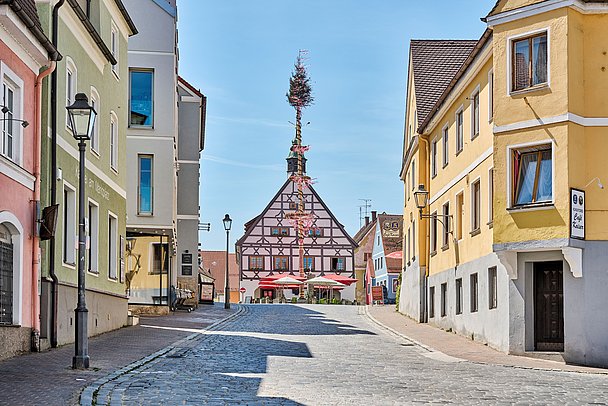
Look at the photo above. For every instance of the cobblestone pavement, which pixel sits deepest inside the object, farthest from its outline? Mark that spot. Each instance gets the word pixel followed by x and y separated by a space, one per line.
pixel 47 378
pixel 326 355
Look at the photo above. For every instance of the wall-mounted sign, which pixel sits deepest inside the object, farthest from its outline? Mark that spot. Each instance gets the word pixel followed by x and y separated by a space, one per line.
pixel 186 258
pixel 187 270
pixel 577 214
pixel 377 293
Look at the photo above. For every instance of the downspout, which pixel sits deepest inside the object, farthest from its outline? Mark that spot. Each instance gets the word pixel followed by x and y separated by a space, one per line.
pixel 36 241
pixel 53 181
pixel 427 254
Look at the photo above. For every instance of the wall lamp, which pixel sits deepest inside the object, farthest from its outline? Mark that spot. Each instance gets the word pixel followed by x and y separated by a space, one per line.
pixel 5 110
pixel 421 197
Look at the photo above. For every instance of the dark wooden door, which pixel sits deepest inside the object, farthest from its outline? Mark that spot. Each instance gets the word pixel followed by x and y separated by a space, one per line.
pixel 549 306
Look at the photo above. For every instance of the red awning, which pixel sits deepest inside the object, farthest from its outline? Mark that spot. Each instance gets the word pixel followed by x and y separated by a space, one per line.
pixel 339 278
pixel 279 276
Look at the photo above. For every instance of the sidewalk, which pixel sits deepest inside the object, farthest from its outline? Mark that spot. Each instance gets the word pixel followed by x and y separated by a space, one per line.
pixel 47 378
pixel 457 346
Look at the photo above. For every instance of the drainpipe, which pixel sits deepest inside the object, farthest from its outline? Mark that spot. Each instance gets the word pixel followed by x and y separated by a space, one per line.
pixel 427 254
pixel 35 238
pixel 53 180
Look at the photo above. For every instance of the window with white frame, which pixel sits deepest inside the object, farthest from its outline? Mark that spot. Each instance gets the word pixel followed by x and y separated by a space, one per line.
pixel 93 219
pixel 459 131
pixel 95 132
pixel 145 186
pixel 529 59
pixel 114 47
pixel 141 97
pixel 444 299
pixel 490 96
pixel 113 141
pixel 491 195
pixel 446 148
pixel 532 169
pixel 112 246
pixel 434 158
pixel 69 224
pixel 446 225
pixel 458 296
pixel 11 104
pixel 475 114
pixel 492 288
pixel 475 205
pixel 413 240
pixel 70 86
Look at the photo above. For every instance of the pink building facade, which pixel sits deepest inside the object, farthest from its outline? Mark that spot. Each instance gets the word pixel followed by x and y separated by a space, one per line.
pixel 26 57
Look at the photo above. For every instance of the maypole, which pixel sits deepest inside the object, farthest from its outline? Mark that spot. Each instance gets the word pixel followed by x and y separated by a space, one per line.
pixel 300 97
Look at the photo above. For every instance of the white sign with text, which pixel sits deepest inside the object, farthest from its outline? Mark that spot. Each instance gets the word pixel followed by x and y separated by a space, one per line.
pixel 577 214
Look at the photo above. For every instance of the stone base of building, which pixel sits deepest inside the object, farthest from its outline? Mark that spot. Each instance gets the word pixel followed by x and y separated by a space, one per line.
pixel 107 312
pixel 191 283
pixel 15 341
pixel 149 310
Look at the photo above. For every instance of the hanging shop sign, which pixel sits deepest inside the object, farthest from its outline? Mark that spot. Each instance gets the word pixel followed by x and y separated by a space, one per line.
pixel 577 213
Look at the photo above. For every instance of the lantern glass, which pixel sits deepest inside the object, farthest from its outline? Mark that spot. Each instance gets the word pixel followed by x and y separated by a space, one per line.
pixel 421 197
pixel 227 222
pixel 81 117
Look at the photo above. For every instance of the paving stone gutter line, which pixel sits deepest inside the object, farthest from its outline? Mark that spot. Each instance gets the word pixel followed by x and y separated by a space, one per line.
pixel 456 359
pixel 94 391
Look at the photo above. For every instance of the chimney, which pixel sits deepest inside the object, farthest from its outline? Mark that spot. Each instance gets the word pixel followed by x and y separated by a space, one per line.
pixel 374 215
pixel 366 221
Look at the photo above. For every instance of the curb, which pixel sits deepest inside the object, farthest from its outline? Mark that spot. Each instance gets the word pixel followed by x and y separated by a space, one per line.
pixel 432 350
pixel 92 392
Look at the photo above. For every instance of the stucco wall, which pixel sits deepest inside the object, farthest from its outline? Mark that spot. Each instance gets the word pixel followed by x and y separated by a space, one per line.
pixel 411 290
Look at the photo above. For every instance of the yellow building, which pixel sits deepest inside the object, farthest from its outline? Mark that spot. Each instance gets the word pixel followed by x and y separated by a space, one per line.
pixel 510 151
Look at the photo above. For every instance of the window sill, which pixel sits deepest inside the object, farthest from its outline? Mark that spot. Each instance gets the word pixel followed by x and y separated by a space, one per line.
pixel 473 311
pixel 473 136
pixel 444 165
pixel 93 273
pixel 445 247
pixel 145 214
pixel 530 89
pixel 531 207
pixel 140 127
pixel 459 151
pixel 115 72
pixel 475 232
pixel 490 224
pixel 69 265
pixel 115 280
pixel 114 170
pixel 433 253
pixel 458 314
pixel 433 176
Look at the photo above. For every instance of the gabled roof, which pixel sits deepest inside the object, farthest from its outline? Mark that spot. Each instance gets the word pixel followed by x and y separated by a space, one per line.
pixel 189 86
pixel 363 231
pixel 26 11
pixel 498 2
pixel 434 63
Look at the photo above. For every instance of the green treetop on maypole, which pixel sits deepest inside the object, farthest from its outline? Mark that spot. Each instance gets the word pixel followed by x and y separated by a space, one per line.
pixel 300 92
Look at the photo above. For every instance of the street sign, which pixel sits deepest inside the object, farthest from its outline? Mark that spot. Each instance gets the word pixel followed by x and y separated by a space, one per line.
pixel 242 290
pixel 377 293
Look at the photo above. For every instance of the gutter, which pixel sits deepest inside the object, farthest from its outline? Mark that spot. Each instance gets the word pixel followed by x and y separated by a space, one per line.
pixel 54 55
pixel 465 66
pixel 126 16
pixel 53 181
pixel 91 30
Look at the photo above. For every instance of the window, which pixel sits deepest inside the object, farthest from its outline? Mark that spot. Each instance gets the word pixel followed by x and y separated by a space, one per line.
pixel 458 213
pixel 407 245
pixel 93 217
pixel 491 195
pixel 492 285
pixel 529 62
pixel 281 263
pixel 444 299
pixel 446 225
pixel 413 240
pixel 475 205
pixel 160 258
pixel 413 183
pixel 69 225
pixel 145 186
pixel 70 86
pixel 309 263
pixel 141 98
pixel 256 263
pixel 533 178
pixel 315 232
pixel 431 302
pixel 280 231
pixel 475 115
pixel 6 276
pixel 459 296
pixel 378 240
pixel 113 141
pixel 433 232
pixel 473 292
pixel 491 96
pixel 459 131
pixel 95 132
pixel 446 149
pixel 112 245
pixel 114 47
pixel 339 264
pixel 434 158
pixel 9 127
pixel 293 206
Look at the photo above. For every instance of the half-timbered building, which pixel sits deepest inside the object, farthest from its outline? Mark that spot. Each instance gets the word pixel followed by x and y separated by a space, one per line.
pixel 270 244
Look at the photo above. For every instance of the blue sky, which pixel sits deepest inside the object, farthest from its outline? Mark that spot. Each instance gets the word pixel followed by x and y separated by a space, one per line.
pixel 240 53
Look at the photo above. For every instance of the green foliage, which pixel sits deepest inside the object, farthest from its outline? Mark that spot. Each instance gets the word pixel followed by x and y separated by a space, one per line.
pixel 300 91
pixel 294 300
pixel 323 301
pixel 398 290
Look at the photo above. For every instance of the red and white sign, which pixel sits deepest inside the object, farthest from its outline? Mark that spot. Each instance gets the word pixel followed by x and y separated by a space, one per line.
pixel 242 290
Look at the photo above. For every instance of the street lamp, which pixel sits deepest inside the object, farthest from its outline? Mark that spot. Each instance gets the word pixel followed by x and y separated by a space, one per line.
pixel 421 197
pixel 227 224
pixel 81 118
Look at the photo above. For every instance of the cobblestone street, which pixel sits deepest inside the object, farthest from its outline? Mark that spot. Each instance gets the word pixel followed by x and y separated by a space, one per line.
pixel 320 355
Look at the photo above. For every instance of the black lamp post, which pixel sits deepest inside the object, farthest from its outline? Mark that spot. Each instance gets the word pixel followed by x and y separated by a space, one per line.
pixel 227 224
pixel 81 118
